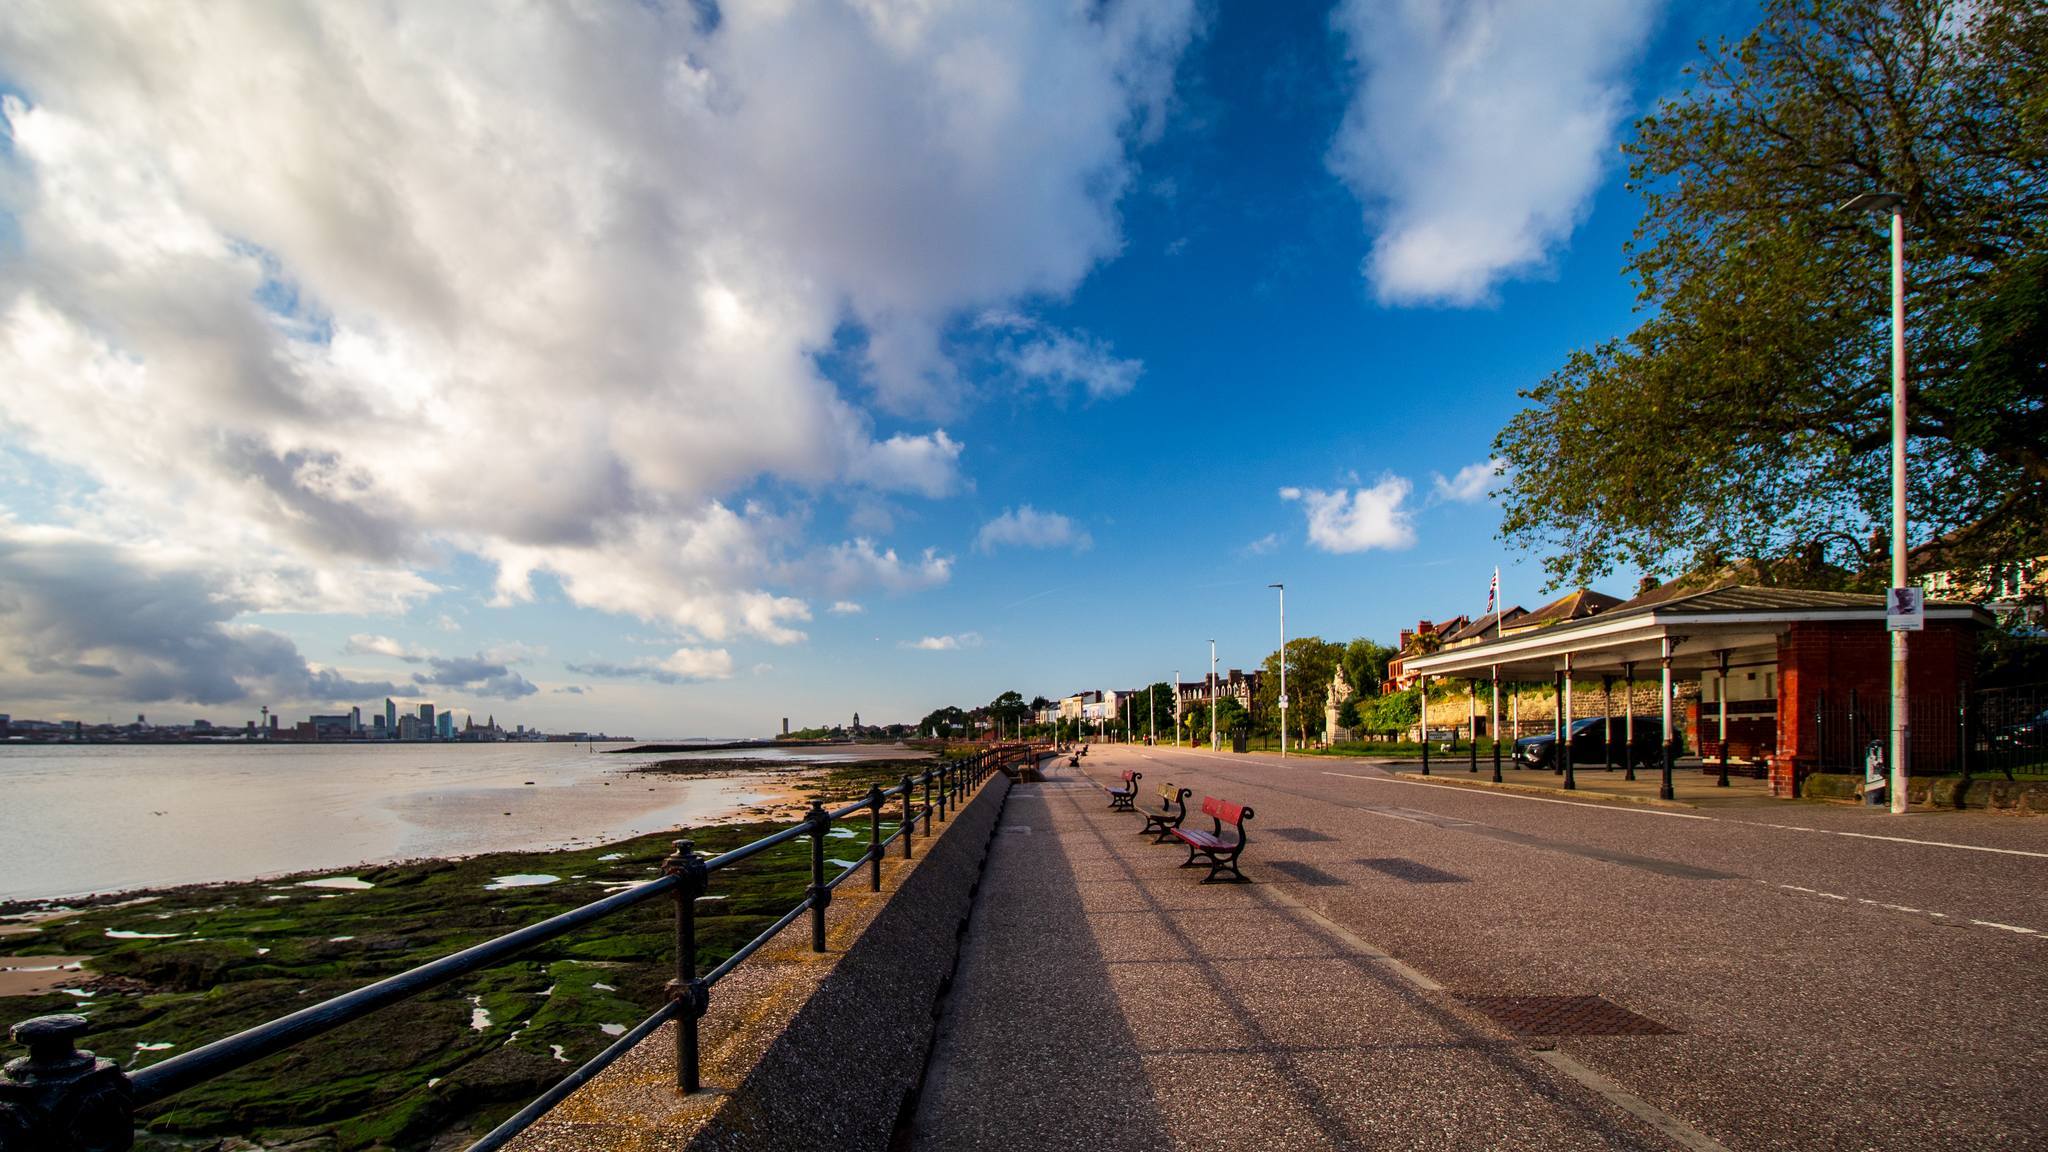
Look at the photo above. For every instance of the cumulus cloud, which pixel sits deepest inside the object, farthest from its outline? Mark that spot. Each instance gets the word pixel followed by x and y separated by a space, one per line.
pixel 1263 544
pixel 1356 520
pixel 858 563
pixel 1045 358
pixel 1027 527
pixel 81 619
pixel 846 608
pixel 1478 133
pixel 478 675
pixel 363 644
pixel 683 666
pixel 944 643
pixel 550 289
pixel 1471 483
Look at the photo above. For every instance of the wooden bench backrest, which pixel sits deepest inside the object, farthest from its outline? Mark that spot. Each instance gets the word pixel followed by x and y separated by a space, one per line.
pixel 1130 776
pixel 1223 810
pixel 1168 795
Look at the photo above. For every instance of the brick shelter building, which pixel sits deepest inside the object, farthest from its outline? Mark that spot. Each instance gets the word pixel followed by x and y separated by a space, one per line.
pixel 1798 680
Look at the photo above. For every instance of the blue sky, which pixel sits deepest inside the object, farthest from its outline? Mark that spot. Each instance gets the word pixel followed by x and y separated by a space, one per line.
pixel 894 360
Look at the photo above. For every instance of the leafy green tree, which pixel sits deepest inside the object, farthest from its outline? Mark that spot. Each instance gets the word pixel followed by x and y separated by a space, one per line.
pixel 1393 712
pixel 1009 710
pixel 947 721
pixel 1311 665
pixel 1365 665
pixel 1749 415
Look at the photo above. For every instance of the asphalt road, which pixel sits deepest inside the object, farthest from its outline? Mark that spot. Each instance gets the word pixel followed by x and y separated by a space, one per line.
pixel 1830 977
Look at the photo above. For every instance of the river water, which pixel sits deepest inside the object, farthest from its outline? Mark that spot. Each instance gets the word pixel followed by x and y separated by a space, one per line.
pixel 102 818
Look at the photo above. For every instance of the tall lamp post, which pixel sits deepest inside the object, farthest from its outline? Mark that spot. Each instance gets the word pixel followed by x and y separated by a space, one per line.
pixel 1176 707
pixel 1283 668
pixel 1213 745
pixel 1894 203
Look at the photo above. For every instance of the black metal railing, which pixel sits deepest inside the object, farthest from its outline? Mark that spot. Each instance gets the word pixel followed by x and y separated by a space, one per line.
pixel 1976 733
pixel 60 1100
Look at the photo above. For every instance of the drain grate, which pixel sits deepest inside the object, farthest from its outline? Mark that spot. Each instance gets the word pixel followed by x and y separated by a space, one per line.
pixel 1307 874
pixel 1413 871
pixel 1566 1016
pixel 1299 835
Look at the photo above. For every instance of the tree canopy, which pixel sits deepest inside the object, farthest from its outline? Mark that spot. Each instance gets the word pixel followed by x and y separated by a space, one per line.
pixel 1749 415
pixel 1311 665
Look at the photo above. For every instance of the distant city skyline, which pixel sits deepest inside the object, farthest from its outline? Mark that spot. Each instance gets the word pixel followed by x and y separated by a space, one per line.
pixel 672 373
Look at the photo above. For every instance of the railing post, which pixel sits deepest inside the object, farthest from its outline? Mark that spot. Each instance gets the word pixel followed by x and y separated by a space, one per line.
pixel 909 815
pixel 62 1099
pixel 874 837
pixel 928 808
pixel 942 791
pixel 821 823
pixel 1963 739
pixel 695 997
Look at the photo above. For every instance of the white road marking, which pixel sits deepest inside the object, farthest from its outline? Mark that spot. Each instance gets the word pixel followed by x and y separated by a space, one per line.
pixel 2006 927
pixel 1906 908
pixel 1901 839
pixel 1518 796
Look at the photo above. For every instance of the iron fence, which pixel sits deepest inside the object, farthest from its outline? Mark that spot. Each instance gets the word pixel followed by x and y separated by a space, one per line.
pixel 58 1099
pixel 2000 731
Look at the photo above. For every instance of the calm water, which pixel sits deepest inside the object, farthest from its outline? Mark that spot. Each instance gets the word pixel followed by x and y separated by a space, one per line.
pixel 97 819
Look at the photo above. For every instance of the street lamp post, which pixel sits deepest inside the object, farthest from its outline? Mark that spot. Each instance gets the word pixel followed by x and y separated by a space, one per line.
pixel 1213 745
pixel 1894 203
pixel 1176 707
pixel 1283 668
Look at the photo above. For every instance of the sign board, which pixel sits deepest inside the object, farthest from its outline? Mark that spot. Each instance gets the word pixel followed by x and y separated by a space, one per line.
pixel 1283 701
pixel 1906 610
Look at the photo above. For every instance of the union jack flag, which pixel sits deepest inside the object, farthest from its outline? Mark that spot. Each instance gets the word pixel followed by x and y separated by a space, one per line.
pixel 1493 593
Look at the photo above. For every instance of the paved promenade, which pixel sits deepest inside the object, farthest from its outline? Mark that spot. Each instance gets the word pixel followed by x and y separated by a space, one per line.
pixel 1797 983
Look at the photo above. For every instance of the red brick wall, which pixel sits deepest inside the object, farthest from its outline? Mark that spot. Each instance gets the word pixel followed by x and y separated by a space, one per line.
pixel 1816 660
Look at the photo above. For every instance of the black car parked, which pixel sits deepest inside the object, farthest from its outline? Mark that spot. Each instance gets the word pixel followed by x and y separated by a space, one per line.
pixel 1589 743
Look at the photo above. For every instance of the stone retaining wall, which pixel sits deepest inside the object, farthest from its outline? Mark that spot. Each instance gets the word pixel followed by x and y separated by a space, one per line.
pixel 1991 793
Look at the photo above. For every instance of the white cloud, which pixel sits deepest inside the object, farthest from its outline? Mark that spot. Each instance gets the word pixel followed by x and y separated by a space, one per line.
pixel 858 563
pixel 846 608
pixel 945 643
pixel 541 284
pixel 1478 132
pixel 82 621
pixel 1470 484
pixel 1356 520
pixel 1270 540
pixel 363 644
pixel 1027 527
pixel 1040 356
pixel 683 666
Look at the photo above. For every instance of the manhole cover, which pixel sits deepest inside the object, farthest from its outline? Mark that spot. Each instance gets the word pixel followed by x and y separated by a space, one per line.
pixel 1413 871
pixel 1566 1016
pixel 1305 874
pixel 1299 835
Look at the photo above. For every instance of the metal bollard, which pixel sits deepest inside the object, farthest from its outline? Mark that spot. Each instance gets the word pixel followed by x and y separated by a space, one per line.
pixel 686 987
pixel 909 817
pixel 874 837
pixel 59 1099
pixel 821 896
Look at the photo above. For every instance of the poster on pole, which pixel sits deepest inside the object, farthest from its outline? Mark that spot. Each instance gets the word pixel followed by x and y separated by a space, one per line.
pixel 1906 611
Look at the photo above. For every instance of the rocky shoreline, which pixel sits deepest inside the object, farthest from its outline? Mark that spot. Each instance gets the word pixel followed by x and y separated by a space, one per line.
pixel 160 972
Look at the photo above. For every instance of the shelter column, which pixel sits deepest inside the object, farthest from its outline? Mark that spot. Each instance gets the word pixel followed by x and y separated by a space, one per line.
pixel 1565 748
pixel 1664 790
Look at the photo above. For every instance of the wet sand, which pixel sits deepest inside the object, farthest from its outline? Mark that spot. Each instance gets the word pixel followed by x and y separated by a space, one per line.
pixel 35 975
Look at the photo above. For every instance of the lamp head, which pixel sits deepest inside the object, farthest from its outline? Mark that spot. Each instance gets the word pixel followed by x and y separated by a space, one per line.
pixel 1872 202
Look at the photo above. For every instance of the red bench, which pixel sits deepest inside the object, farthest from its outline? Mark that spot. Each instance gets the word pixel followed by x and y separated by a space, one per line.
pixel 1222 853
pixel 1173 808
pixel 1120 798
